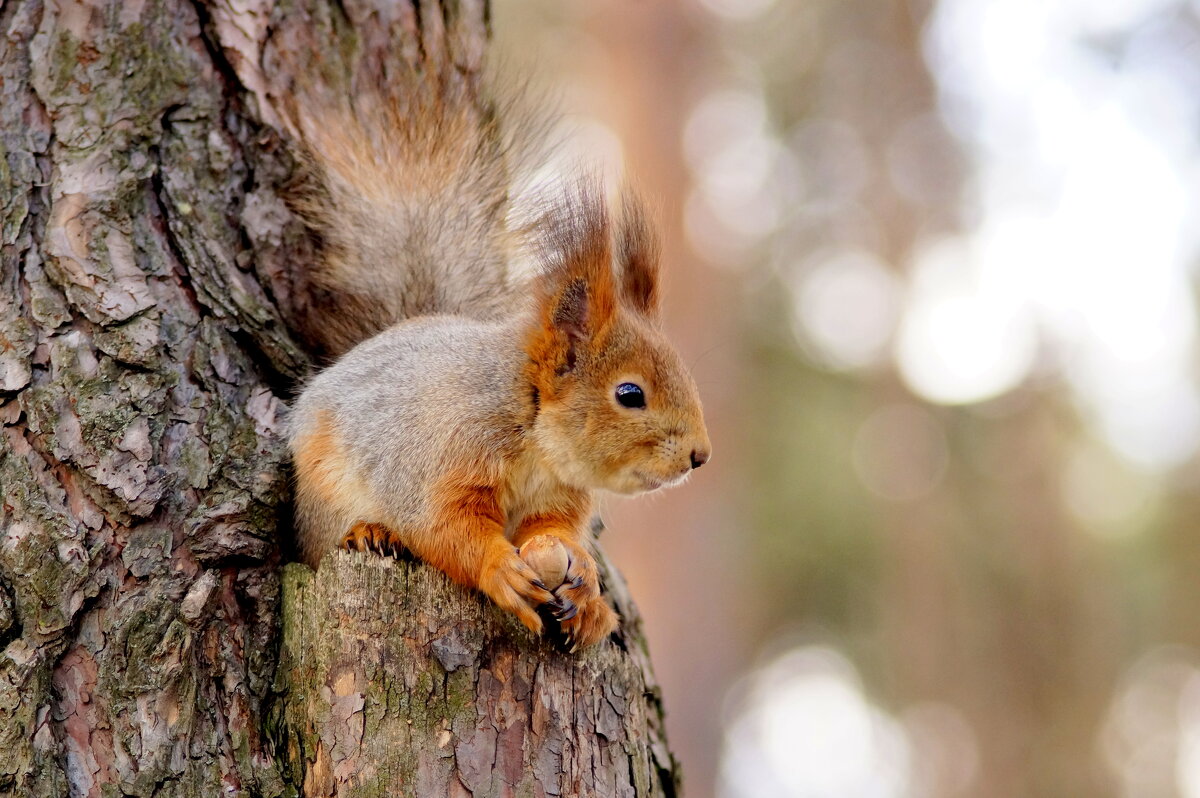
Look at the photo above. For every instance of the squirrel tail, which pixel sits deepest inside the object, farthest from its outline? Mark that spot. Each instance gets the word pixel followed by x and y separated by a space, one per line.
pixel 408 190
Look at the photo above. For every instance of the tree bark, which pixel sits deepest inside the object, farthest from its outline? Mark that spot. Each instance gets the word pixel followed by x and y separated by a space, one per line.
pixel 150 334
pixel 429 692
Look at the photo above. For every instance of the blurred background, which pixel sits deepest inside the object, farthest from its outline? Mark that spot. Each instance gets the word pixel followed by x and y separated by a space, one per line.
pixel 934 266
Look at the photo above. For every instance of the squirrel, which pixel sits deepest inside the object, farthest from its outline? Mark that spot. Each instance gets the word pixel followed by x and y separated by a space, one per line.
pixel 471 408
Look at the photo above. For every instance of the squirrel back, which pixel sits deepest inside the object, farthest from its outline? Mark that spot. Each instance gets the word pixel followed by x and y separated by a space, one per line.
pixel 409 191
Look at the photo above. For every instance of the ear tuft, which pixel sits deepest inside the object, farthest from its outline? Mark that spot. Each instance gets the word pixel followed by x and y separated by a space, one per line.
pixel 571 312
pixel 638 256
pixel 576 290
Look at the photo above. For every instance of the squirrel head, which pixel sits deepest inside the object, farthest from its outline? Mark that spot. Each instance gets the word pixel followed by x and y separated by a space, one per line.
pixel 615 407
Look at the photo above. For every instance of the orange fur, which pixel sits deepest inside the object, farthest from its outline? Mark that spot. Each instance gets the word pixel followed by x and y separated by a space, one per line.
pixel 325 481
pixel 467 541
pixel 562 525
pixel 320 461
pixel 468 519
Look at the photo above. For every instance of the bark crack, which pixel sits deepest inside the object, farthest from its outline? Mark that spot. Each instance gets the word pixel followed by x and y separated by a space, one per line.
pixel 231 83
pixel 179 259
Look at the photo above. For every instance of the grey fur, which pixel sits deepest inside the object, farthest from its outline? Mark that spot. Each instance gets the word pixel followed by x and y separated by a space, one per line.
pixel 395 389
pixel 411 191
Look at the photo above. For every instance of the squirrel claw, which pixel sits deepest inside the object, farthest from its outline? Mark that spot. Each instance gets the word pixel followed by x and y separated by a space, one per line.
pixel 567 610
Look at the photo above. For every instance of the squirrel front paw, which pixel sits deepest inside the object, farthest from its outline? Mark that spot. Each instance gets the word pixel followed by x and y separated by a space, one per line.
pixel 585 617
pixel 513 585
pixel 593 621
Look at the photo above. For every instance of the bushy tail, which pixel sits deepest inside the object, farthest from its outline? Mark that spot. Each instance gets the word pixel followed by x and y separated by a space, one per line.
pixel 409 191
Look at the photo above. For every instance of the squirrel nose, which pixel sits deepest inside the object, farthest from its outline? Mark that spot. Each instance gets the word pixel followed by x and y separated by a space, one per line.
pixel 699 457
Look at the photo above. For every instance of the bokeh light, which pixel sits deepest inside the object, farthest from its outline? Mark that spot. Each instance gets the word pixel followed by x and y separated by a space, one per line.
pixel 846 306
pixel 805 729
pixel 1084 179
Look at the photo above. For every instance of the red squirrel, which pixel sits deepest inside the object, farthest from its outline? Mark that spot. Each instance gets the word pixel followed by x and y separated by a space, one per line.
pixel 474 408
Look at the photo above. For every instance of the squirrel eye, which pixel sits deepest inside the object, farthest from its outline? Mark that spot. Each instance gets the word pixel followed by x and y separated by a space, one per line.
pixel 630 395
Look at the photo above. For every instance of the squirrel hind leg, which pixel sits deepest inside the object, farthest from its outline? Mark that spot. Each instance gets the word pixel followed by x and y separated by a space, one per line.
pixel 373 537
pixel 330 498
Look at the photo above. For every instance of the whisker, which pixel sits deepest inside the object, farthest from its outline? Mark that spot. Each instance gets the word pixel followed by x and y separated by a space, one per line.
pixel 696 360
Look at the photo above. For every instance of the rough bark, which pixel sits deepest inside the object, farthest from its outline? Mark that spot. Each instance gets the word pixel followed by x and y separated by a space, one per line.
pixel 147 345
pixel 432 693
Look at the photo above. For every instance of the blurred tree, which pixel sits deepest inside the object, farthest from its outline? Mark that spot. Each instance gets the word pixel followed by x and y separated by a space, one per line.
pixel 976 591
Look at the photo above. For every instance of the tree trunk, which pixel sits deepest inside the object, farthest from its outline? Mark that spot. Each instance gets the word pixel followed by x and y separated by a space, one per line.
pixel 148 318
pixel 443 694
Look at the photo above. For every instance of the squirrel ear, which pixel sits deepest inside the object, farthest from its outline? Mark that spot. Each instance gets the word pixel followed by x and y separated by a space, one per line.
pixel 571 318
pixel 638 255
pixel 582 308
pixel 571 311
pixel 578 294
